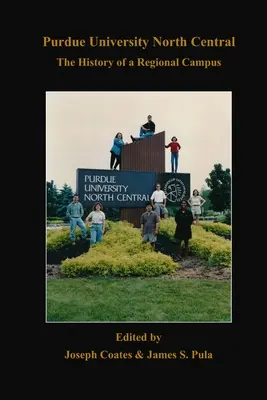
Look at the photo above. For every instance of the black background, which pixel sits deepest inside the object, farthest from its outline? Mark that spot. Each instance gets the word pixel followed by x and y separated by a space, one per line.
pixel 222 339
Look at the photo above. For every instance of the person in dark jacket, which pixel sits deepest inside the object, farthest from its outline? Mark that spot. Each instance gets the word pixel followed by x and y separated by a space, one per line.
pixel 146 130
pixel 183 232
pixel 115 151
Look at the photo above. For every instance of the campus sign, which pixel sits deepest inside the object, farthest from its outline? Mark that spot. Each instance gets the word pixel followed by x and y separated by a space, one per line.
pixel 128 189
pixel 115 188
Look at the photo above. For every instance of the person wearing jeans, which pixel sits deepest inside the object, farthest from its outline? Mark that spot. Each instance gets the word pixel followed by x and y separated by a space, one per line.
pixel 96 233
pixel 158 201
pixel 144 134
pixel 175 147
pixel 74 213
pixel 174 162
pixel 115 151
pixel 98 223
pixel 146 130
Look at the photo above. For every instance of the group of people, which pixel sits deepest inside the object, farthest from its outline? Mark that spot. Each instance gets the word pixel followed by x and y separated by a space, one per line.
pixel 184 218
pixel 75 212
pixel 155 209
pixel 146 130
pixel 150 219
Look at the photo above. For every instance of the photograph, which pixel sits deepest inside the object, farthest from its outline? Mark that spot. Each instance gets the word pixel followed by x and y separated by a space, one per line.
pixel 138 207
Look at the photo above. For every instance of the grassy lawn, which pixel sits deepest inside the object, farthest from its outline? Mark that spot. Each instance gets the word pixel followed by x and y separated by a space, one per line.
pixel 137 299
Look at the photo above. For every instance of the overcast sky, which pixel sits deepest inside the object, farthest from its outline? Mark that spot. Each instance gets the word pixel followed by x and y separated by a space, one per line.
pixel 80 128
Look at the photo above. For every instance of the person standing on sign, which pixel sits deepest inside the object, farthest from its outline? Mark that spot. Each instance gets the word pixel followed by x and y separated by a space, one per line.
pixel 115 151
pixel 196 202
pixel 146 130
pixel 183 232
pixel 75 212
pixel 98 223
pixel 149 226
pixel 175 147
pixel 158 201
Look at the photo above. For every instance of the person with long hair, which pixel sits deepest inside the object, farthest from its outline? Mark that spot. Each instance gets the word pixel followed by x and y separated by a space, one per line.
pixel 196 202
pixel 115 151
pixel 98 218
pixel 183 232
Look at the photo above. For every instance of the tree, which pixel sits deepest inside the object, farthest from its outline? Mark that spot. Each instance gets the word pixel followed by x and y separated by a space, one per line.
pixel 205 194
pixel 51 199
pixel 219 182
pixel 64 199
pixel 172 211
pixel 112 213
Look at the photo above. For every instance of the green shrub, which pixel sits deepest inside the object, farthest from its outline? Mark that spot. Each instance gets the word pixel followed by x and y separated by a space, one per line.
pixel 119 264
pixel 220 257
pixel 215 250
pixel 50 233
pixel 218 228
pixel 210 213
pixel 54 221
pixel 58 238
pixel 121 253
pixel 227 217
pixel 167 227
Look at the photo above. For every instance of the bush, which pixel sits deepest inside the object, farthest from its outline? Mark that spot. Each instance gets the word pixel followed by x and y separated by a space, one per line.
pixel 201 218
pixel 218 228
pixel 58 238
pixel 57 219
pixel 227 217
pixel 121 253
pixel 210 213
pixel 54 221
pixel 211 248
pixel 215 250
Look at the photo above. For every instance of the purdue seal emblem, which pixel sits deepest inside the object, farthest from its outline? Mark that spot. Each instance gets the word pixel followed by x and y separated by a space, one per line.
pixel 175 190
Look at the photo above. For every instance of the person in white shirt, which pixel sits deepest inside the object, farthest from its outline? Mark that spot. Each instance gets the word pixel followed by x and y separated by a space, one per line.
pixel 158 201
pixel 196 202
pixel 98 223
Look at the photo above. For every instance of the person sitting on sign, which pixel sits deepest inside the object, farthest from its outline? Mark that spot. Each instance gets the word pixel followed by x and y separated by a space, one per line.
pixel 115 151
pixel 146 130
pixel 98 218
pixel 175 147
pixel 183 232
pixel 75 212
pixel 158 201
pixel 196 202
pixel 149 226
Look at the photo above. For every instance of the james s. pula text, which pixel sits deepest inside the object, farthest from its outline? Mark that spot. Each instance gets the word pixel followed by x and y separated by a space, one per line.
pixel 134 337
